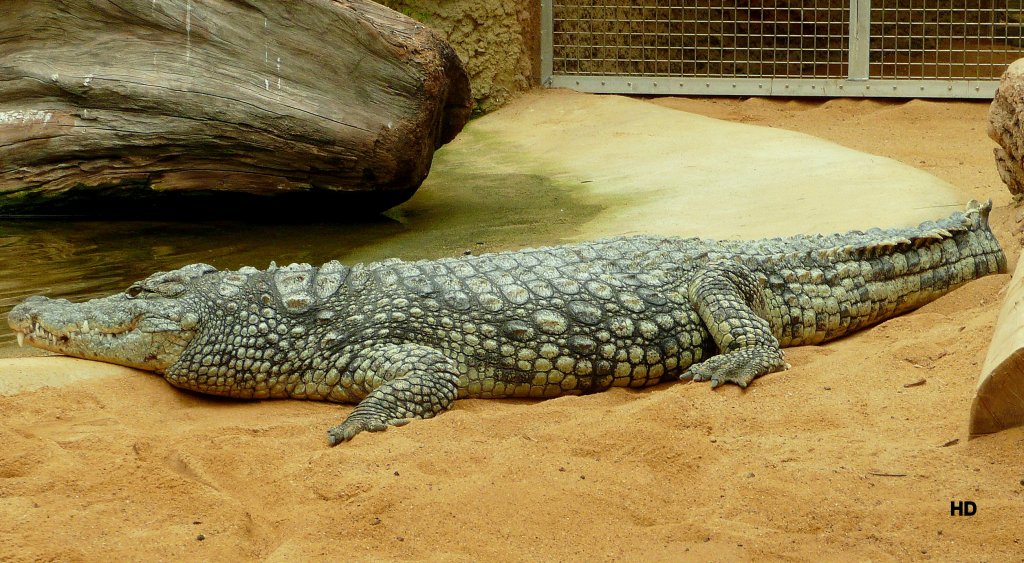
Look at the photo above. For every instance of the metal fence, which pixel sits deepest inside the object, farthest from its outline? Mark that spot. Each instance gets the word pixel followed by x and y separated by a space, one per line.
pixel 906 48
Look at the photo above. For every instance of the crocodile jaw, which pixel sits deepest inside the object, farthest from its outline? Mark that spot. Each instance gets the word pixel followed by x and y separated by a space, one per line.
pixel 144 335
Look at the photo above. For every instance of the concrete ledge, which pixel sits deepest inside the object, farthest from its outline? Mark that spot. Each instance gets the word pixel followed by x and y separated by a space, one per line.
pixel 663 171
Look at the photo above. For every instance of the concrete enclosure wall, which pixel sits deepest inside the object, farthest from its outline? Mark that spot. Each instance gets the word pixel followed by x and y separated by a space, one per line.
pixel 498 40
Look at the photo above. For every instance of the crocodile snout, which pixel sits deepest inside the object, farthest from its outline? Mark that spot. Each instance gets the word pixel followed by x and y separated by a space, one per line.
pixel 21 315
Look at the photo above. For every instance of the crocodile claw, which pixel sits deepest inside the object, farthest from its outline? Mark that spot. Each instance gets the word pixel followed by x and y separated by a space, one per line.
pixel 740 367
pixel 352 426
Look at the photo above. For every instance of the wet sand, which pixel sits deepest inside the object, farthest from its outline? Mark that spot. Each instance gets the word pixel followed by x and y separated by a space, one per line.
pixel 855 453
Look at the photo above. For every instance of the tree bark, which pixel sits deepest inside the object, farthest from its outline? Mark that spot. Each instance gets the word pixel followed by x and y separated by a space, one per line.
pixel 999 397
pixel 329 101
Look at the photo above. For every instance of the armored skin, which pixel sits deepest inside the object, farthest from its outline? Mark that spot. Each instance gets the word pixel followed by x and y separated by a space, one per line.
pixel 403 340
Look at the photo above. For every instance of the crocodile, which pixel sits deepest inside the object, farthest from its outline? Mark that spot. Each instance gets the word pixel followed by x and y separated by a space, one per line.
pixel 403 340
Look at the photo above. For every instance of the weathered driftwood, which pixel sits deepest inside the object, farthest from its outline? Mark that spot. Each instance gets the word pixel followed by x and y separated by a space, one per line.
pixel 999 397
pixel 258 97
pixel 1005 127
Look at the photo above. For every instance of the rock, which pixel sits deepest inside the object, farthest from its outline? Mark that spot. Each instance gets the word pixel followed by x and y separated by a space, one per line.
pixel 177 103
pixel 1004 128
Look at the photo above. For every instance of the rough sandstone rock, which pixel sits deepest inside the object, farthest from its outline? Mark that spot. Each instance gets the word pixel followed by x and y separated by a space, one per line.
pixel 343 101
pixel 1005 128
pixel 499 40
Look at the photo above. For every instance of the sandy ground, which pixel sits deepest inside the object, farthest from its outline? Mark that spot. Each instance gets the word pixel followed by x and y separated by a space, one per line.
pixel 855 453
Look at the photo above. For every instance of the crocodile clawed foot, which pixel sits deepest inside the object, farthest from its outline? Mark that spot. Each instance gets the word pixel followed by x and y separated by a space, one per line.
pixel 719 370
pixel 354 425
pixel 740 367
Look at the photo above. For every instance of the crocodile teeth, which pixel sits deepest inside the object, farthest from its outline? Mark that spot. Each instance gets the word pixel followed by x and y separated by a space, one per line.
pixel 21 339
pixel 85 326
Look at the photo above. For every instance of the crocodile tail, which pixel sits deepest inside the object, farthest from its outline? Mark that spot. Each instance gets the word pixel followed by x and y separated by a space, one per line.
pixel 973 218
pixel 981 209
pixel 979 212
pixel 962 245
pixel 971 228
pixel 972 222
pixel 883 273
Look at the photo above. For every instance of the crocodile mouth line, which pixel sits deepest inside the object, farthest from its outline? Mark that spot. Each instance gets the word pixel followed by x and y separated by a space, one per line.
pixel 37 333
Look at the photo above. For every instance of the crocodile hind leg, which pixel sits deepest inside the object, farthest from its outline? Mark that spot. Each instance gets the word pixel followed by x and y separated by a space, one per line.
pixel 727 297
pixel 405 382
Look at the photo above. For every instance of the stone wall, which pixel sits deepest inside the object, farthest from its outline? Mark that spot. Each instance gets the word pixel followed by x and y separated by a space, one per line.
pixel 498 40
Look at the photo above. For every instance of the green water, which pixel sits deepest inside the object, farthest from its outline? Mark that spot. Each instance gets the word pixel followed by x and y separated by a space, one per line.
pixel 459 209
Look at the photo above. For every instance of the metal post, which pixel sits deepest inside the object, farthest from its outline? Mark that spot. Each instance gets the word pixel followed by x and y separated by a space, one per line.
pixel 547 30
pixel 860 39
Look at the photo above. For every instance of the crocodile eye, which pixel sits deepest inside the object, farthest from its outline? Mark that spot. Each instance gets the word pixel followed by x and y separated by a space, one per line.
pixel 133 291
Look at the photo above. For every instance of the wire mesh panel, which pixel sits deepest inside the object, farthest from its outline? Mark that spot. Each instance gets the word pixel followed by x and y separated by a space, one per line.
pixel 788 47
pixel 716 38
pixel 944 39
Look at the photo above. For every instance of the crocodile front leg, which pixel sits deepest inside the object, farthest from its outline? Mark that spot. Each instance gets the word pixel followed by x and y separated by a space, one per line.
pixel 404 381
pixel 728 298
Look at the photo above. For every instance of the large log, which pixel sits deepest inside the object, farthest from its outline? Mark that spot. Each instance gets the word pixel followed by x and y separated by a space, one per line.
pixel 344 101
pixel 999 397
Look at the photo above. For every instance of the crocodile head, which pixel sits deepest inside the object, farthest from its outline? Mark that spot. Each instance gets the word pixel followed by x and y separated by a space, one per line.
pixel 148 326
